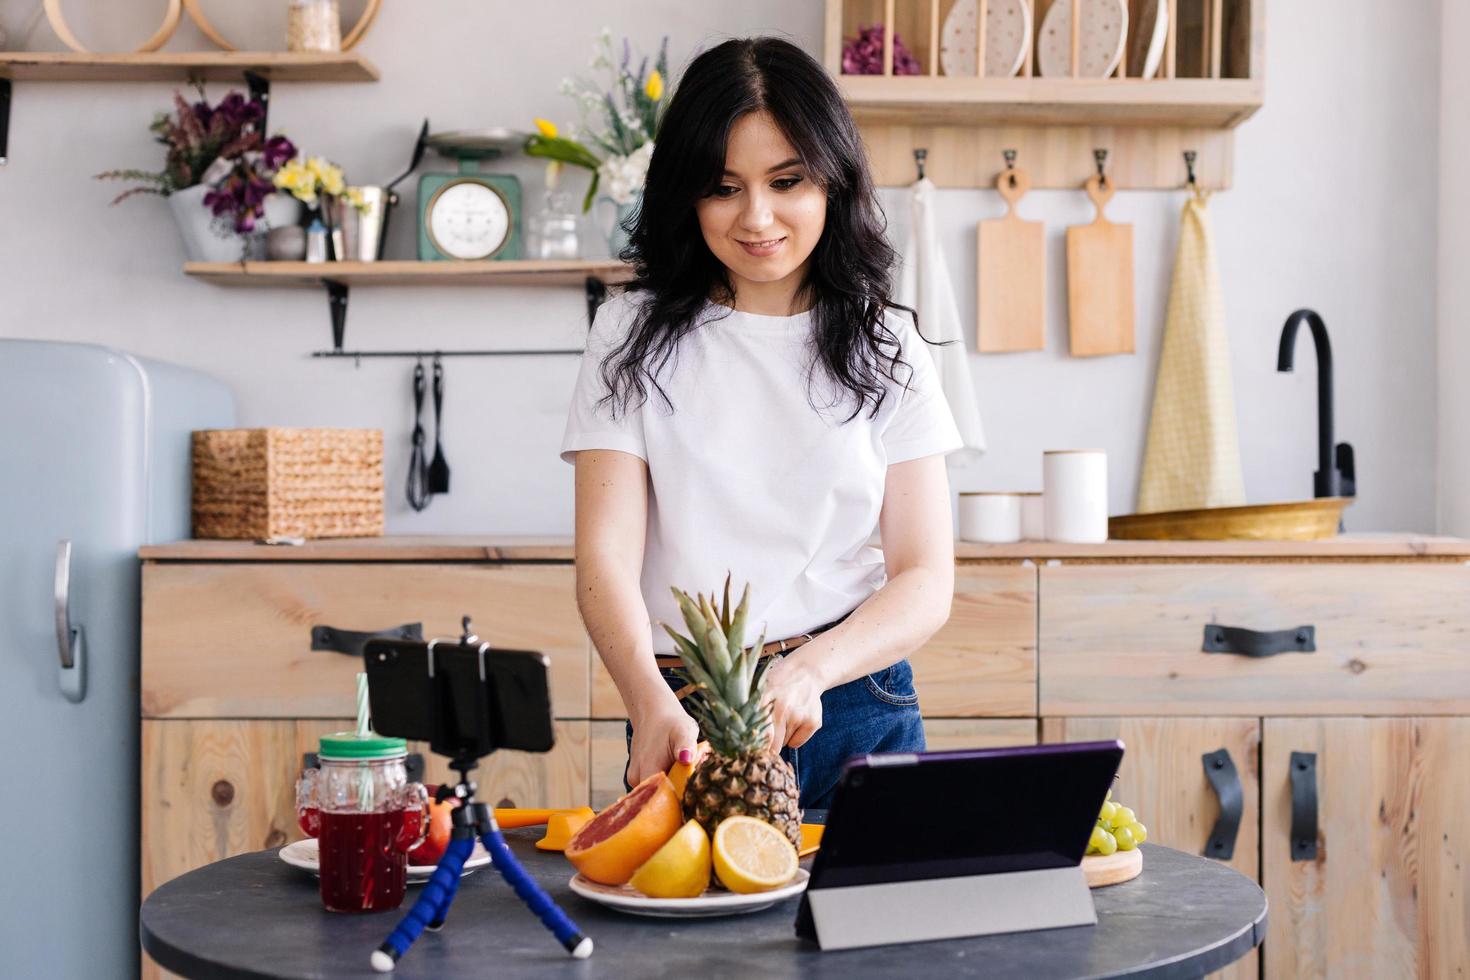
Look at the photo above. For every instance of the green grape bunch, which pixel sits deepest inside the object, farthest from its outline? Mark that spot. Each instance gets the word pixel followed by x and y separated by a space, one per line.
pixel 1117 829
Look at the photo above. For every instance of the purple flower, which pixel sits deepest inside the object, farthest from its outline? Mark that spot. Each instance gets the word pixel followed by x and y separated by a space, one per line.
pixel 863 55
pixel 277 151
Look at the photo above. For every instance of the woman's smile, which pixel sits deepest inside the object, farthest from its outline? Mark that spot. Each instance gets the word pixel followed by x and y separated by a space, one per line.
pixel 762 248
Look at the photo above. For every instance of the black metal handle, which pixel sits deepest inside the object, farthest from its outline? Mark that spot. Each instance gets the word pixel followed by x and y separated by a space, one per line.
pixel 1251 643
pixel 351 642
pixel 1304 806
pixel 1225 780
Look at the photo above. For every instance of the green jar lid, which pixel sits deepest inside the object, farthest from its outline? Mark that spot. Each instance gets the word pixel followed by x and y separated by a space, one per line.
pixel 350 745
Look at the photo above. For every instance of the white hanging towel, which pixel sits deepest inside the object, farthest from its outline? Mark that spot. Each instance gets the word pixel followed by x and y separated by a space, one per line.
pixel 925 285
pixel 1193 455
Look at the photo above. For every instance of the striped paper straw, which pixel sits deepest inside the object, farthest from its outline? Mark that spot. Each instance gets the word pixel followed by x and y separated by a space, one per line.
pixel 365 772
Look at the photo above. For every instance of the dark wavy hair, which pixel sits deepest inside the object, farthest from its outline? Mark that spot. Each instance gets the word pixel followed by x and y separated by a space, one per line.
pixel 849 274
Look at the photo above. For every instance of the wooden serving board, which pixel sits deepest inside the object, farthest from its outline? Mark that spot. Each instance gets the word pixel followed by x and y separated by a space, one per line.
pixel 1100 281
pixel 1011 276
pixel 1103 870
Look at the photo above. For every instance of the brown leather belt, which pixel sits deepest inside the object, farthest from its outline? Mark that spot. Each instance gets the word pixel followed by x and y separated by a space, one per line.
pixel 771 649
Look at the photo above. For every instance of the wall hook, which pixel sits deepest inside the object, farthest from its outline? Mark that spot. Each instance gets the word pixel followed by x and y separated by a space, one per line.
pixel 1101 158
pixel 1189 158
pixel 1010 158
pixel 920 157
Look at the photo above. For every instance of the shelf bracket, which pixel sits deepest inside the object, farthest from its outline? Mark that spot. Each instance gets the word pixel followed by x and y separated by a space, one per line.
pixel 596 293
pixel 260 88
pixel 4 121
pixel 337 304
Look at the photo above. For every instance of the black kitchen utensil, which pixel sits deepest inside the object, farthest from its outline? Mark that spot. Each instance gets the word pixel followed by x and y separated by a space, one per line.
pixel 419 494
pixel 439 467
pixel 390 195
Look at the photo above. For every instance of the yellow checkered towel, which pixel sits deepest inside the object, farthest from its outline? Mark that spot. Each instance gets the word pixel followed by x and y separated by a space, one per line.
pixel 1192 459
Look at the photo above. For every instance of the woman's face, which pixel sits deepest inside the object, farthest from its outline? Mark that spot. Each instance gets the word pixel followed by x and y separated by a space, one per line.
pixel 767 214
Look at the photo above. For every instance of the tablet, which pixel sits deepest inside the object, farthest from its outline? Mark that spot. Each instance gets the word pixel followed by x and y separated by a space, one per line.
pixel 964 814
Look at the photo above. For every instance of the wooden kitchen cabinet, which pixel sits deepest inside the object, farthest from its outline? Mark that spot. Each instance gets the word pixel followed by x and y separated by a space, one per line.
pixel 1388 892
pixel 1162 778
pixel 981 663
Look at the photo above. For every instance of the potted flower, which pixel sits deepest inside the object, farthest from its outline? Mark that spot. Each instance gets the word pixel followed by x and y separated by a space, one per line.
pixel 320 185
pixel 617 125
pixel 217 175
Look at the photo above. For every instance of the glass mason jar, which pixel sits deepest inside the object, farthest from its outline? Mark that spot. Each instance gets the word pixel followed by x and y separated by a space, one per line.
pixel 313 25
pixel 554 232
pixel 366 817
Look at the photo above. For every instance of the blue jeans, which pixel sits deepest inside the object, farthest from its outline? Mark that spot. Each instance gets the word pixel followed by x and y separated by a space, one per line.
pixel 876 713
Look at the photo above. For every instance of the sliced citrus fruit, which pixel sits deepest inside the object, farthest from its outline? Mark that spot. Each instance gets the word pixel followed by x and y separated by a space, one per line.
pixel 611 846
pixel 681 771
pixel 679 869
pixel 752 856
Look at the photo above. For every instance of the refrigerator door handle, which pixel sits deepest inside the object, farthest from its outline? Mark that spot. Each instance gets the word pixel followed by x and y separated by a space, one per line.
pixel 70 645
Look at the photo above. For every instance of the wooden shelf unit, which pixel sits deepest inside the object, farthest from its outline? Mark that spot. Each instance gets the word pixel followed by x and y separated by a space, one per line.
pixel 1210 79
pixel 520 272
pixel 161 66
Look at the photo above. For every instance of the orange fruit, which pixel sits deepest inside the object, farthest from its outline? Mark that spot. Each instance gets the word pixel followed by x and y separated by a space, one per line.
pixel 613 844
pixel 679 869
pixel 752 856
pixel 681 771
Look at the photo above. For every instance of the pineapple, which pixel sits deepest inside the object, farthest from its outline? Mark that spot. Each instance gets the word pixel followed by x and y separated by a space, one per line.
pixel 739 775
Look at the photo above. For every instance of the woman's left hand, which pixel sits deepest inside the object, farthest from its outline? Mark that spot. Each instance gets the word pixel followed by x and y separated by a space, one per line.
pixel 795 697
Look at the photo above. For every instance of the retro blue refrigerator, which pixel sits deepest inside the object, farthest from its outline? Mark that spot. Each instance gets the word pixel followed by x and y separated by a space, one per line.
pixel 94 462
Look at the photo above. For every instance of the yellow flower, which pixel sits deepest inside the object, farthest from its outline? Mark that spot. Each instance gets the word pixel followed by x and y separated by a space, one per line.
pixel 547 128
pixel 654 88
pixel 332 181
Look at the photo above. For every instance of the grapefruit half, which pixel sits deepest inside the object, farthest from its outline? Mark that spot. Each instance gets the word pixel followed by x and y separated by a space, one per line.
pixel 616 842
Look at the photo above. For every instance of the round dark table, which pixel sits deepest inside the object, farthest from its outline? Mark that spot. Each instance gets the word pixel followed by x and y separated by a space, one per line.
pixel 255 916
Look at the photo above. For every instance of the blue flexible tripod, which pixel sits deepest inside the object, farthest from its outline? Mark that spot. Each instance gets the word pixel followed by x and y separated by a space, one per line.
pixel 470 820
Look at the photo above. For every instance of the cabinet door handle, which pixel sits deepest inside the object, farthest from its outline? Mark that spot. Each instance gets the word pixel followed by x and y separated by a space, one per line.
pixel 1304 806
pixel 1225 780
pixel 70 643
pixel 1251 643
pixel 351 642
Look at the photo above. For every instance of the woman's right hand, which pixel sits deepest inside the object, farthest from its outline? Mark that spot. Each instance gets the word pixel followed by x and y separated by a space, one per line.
pixel 660 739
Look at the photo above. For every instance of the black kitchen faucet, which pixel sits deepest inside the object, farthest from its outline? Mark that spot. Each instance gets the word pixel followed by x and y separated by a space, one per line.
pixel 1335 477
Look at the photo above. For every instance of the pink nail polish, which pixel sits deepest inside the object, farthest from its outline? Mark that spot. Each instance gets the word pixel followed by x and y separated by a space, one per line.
pixel 686 756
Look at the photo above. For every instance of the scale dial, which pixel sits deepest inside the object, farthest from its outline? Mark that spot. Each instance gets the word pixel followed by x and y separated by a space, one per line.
pixel 468 219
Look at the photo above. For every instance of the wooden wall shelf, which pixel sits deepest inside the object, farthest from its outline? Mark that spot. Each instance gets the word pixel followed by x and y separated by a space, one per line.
pixel 159 66
pixel 1210 79
pixel 521 272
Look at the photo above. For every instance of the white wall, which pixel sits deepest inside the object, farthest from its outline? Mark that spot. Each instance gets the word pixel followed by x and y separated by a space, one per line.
pixel 1333 207
pixel 1454 283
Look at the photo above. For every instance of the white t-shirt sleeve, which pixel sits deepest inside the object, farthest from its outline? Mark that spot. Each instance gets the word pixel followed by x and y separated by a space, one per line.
pixel 923 425
pixel 590 425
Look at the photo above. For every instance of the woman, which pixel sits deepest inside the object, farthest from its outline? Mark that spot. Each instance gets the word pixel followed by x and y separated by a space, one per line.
pixel 796 413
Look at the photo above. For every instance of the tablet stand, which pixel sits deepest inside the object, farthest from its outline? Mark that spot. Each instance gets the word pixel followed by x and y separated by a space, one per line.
pixel 850 916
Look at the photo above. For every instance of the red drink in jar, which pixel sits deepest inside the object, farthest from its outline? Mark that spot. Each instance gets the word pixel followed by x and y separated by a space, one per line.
pixel 366 817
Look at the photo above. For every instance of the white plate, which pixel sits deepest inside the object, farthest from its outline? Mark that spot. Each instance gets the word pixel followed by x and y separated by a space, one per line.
pixel 715 901
pixel 1104 35
pixel 303 855
pixel 1007 34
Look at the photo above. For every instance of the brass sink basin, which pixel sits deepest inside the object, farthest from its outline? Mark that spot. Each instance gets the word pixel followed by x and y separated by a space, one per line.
pixel 1302 520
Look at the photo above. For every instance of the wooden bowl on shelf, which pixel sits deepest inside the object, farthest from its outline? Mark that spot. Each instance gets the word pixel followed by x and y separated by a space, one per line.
pixel 1302 520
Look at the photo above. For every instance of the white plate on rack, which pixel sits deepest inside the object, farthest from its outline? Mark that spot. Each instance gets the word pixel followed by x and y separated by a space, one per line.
pixel 303 855
pixel 715 901
pixel 1007 35
pixel 1100 48
pixel 1146 41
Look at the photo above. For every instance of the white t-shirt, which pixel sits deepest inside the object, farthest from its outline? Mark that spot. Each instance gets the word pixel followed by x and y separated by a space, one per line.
pixel 746 476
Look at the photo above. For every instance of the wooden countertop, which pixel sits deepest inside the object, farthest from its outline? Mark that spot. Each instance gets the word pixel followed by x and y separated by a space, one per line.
pixel 480 548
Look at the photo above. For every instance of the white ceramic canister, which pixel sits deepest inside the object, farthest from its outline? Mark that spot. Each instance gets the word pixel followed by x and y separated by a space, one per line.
pixel 1075 495
pixel 992 518
pixel 1033 517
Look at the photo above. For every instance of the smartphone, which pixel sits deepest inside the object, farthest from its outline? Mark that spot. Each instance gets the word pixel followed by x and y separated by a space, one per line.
pixel 461 699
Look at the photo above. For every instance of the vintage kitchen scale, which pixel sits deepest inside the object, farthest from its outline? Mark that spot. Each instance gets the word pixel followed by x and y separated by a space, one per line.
pixel 471 215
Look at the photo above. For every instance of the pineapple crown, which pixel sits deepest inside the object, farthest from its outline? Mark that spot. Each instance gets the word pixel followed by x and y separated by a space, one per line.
pixel 728 676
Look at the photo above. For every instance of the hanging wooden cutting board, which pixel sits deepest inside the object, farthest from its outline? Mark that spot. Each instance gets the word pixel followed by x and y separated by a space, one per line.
pixel 1100 281
pixel 1011 276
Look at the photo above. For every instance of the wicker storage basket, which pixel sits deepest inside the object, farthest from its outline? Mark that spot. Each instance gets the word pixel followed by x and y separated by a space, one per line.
pixel 251 484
